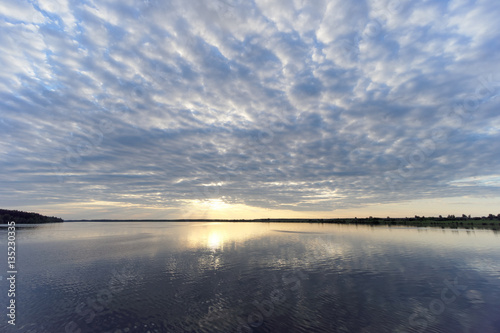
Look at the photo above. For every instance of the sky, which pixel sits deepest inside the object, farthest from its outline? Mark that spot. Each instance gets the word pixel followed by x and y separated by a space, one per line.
pixel 249 109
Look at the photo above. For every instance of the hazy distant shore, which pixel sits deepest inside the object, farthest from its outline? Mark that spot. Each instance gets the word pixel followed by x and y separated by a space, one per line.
pixel 490 222
pixel 451 221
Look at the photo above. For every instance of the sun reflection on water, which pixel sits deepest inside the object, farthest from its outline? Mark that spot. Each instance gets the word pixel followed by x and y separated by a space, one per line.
pixel 215 241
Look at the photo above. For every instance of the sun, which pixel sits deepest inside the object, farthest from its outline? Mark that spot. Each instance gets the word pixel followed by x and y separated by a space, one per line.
pixel 215 204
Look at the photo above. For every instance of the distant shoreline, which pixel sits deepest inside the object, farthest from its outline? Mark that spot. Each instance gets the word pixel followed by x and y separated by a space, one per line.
pixel 451 221
pixel 491 222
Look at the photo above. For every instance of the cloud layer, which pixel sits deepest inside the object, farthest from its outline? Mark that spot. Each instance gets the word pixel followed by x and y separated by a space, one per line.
pixel 281 105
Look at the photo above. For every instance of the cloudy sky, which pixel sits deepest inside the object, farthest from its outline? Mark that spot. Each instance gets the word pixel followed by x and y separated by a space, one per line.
pixel 249 109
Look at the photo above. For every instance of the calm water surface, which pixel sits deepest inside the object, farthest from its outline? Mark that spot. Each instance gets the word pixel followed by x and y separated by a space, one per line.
pixel 252 277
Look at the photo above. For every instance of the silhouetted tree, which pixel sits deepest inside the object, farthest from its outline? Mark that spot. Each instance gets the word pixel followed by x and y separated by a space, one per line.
pixel 21 217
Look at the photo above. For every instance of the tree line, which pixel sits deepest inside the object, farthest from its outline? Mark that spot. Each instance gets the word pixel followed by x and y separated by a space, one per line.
pixel 21 217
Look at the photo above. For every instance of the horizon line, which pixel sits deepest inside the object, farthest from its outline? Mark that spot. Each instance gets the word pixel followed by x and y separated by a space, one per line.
pixel 295 219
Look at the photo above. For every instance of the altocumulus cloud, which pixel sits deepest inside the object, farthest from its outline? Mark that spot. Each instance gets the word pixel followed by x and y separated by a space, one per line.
pixel 281 105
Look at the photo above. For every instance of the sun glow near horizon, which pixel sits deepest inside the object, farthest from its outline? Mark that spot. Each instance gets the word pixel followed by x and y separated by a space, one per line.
pixel 219 208
pixel 250 110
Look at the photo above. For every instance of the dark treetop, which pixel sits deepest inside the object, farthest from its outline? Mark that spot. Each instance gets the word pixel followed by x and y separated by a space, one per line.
pixel 25 217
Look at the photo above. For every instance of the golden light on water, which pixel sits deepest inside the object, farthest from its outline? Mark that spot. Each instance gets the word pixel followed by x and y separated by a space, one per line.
pixel 215 241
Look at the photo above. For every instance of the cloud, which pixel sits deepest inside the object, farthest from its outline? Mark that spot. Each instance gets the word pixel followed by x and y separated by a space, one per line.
pixel 302 106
